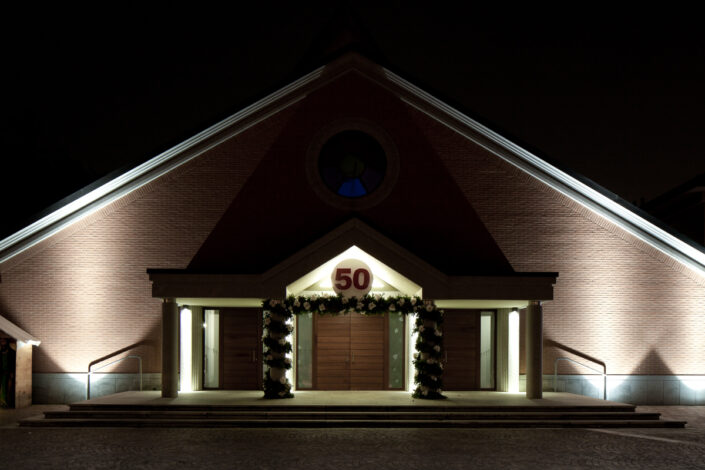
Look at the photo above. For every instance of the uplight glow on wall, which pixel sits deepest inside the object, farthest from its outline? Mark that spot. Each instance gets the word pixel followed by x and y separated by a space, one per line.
pixel 185 362
pixel 513 353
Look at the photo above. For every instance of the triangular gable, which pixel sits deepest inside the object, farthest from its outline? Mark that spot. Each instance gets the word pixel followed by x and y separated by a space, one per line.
pixel 425 210
pixel 601 202
pixel 272 283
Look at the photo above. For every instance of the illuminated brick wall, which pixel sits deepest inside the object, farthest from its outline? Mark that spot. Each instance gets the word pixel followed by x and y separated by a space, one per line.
pixel 616 298
pixel 85 292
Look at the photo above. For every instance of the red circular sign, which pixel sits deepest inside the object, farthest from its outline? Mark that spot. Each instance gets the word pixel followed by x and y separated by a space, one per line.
pixel 352 278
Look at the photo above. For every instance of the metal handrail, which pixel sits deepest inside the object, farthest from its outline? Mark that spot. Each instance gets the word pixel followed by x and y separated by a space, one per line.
pixel 603 374
pixel 88 378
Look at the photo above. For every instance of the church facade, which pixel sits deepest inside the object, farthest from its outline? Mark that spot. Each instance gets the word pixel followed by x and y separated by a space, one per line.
pixel 352 180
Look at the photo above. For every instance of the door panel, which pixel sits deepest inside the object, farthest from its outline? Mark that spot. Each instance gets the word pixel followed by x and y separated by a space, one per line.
pixel 461 341
pixel 241 348
pixel 332 352
pixel 367 347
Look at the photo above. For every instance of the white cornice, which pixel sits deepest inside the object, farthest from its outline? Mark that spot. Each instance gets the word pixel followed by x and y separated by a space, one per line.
pixel 551 176
pixel 152 169
pixel 438 110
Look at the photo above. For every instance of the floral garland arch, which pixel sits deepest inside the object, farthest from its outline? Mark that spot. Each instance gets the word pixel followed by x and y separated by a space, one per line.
pixel 277 328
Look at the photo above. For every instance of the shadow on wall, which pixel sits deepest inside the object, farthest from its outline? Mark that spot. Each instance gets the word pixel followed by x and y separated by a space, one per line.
pixel 590 361
pixel 69 387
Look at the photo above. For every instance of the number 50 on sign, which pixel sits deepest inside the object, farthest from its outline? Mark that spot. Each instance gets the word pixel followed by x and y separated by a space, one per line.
pixel 352 278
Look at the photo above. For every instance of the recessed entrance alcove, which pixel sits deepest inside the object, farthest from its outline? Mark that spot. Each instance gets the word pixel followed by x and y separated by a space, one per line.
pixel 351 351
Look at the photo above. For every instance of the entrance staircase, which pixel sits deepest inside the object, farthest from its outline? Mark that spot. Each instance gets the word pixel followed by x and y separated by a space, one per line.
pixel 88 414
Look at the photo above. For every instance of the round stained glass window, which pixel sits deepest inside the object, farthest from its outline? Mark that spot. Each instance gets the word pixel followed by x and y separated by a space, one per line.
pixel 352 164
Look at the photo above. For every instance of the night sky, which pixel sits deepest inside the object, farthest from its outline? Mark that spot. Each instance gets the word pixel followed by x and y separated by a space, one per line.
pixel 618 97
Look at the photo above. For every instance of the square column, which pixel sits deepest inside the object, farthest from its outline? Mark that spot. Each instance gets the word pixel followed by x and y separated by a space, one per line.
pixel 534 350
pixel 170 348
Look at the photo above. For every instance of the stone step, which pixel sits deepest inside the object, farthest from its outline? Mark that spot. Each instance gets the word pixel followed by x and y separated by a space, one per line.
pixel 348 415
pixel 361 423
pixel 87 406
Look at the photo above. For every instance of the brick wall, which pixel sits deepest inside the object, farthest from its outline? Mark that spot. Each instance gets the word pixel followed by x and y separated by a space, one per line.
pixel 616 298
pixel 85 292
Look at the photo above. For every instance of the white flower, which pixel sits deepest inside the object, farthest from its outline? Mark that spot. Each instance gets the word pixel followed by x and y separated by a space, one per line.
pixel 345 300
pixel 307 306
pixel 297 303
pixel 429 308
pixel 437 348
pixel 267 321
pixel 401 301
pixel 392 308
pixel 290 327
pixel 371 306
pixel 282 380
pixel 321 307
pixel 287 360
pixel 413 301
pixel 377 297
pixel 313 298
pixel 360 305
pixel 440 364
pixel 282 341
pixel 438 332
pixel 434 378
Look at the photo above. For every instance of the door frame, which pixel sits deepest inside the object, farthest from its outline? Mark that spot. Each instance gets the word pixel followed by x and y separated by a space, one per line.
pixel 386 365
pixel 258 349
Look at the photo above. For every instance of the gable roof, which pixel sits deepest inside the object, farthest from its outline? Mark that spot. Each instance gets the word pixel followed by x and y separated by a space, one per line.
pixel 577 188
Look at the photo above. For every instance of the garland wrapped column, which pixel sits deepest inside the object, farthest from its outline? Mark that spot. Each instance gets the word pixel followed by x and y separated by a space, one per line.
pixel 276 346
pixel 428 358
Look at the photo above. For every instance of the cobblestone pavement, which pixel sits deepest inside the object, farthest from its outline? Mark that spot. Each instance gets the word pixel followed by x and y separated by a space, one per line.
pixel 361 448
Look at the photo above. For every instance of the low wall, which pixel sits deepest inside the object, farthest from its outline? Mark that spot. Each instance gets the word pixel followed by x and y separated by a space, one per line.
pixel 70 388
pixel 633 389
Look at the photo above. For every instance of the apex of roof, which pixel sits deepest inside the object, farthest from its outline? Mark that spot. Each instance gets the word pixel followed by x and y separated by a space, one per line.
pixel 576 187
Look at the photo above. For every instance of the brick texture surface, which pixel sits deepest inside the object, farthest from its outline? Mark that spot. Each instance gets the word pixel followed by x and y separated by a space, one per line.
pixel 85 292
pixel 616 299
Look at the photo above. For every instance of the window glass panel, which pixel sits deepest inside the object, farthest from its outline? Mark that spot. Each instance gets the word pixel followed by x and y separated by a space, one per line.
pixel 211 347
pixel 396 350
pixel 304 350
pixel 487 350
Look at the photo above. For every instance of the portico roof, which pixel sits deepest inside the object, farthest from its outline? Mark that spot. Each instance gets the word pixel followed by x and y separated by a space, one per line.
pixel 185 283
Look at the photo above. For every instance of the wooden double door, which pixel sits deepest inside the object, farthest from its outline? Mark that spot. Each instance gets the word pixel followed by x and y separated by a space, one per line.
pixel 350 352
pixel 240 348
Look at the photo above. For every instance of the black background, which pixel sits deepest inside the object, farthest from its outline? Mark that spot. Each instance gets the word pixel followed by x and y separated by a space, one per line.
pixel 617 96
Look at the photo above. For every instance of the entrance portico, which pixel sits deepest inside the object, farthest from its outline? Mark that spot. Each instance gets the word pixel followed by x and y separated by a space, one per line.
pixel 398 271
